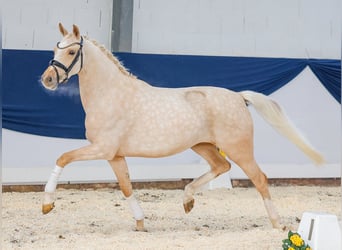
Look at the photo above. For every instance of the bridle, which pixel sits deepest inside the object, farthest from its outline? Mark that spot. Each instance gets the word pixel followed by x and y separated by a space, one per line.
pixel 54 63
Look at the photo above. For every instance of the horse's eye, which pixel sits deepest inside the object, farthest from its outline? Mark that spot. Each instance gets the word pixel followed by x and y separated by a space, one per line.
pixel 72 52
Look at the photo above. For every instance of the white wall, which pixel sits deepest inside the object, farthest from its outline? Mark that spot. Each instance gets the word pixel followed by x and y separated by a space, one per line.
pixel 262 28
pixel 297 28
pixel 33 24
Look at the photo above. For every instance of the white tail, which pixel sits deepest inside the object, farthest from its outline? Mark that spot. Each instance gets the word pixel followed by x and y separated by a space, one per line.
pixel 273 114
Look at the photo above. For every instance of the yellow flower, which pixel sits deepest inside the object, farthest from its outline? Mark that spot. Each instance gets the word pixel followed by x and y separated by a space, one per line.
pixel 291 248
pixel 296 240
pixel 308 248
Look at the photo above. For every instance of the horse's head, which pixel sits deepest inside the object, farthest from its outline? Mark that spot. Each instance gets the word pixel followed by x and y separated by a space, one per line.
pixel 67 61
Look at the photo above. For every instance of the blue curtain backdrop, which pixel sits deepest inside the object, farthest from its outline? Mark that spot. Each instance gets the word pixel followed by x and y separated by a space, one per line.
pixel 29 108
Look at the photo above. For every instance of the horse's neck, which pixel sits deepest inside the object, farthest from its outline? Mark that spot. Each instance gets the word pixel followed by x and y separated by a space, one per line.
pixel 100 79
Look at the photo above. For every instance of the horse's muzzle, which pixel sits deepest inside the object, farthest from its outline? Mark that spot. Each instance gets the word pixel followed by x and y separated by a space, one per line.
pixel 49 79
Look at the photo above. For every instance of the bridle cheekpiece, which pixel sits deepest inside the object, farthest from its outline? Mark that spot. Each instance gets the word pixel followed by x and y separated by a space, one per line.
pixel 55 63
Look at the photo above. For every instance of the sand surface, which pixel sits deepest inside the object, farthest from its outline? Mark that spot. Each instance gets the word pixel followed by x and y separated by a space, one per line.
pixel 100 219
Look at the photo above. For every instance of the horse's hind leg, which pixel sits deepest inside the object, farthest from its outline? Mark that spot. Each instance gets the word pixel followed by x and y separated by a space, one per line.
pixel 120 169
pixel 259 179
pixel 218 165
pixel 245 160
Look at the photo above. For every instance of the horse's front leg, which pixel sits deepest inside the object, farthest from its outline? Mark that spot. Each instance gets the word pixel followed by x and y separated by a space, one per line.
pixel 90 152
pixel 120 169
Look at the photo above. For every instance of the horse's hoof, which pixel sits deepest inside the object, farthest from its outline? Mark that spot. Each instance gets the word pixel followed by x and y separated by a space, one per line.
pixel 188 206
pixel 282 227
pixel 140 226
pixel 46 208
pixel 285 228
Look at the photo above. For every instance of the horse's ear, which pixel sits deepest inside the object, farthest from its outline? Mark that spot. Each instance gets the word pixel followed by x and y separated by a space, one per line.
pixel 76 31
pixel 63 31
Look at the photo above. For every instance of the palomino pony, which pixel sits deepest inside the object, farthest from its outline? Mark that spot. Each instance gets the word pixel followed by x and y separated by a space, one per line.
pixel 126 117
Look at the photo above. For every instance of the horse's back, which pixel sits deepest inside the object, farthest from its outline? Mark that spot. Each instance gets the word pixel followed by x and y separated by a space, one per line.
pixel 168 121
pixel 223 104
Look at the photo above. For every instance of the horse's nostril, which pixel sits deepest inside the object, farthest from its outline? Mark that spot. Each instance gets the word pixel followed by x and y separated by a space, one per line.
pixel 49 79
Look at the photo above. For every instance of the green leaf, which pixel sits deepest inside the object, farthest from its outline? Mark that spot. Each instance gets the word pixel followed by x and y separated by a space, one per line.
pixel 287 242
pixel 290 234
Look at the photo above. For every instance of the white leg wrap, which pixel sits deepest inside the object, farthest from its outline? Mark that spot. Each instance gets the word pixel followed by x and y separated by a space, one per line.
pixel 135 208
pixel 51 185
pixel 49 198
